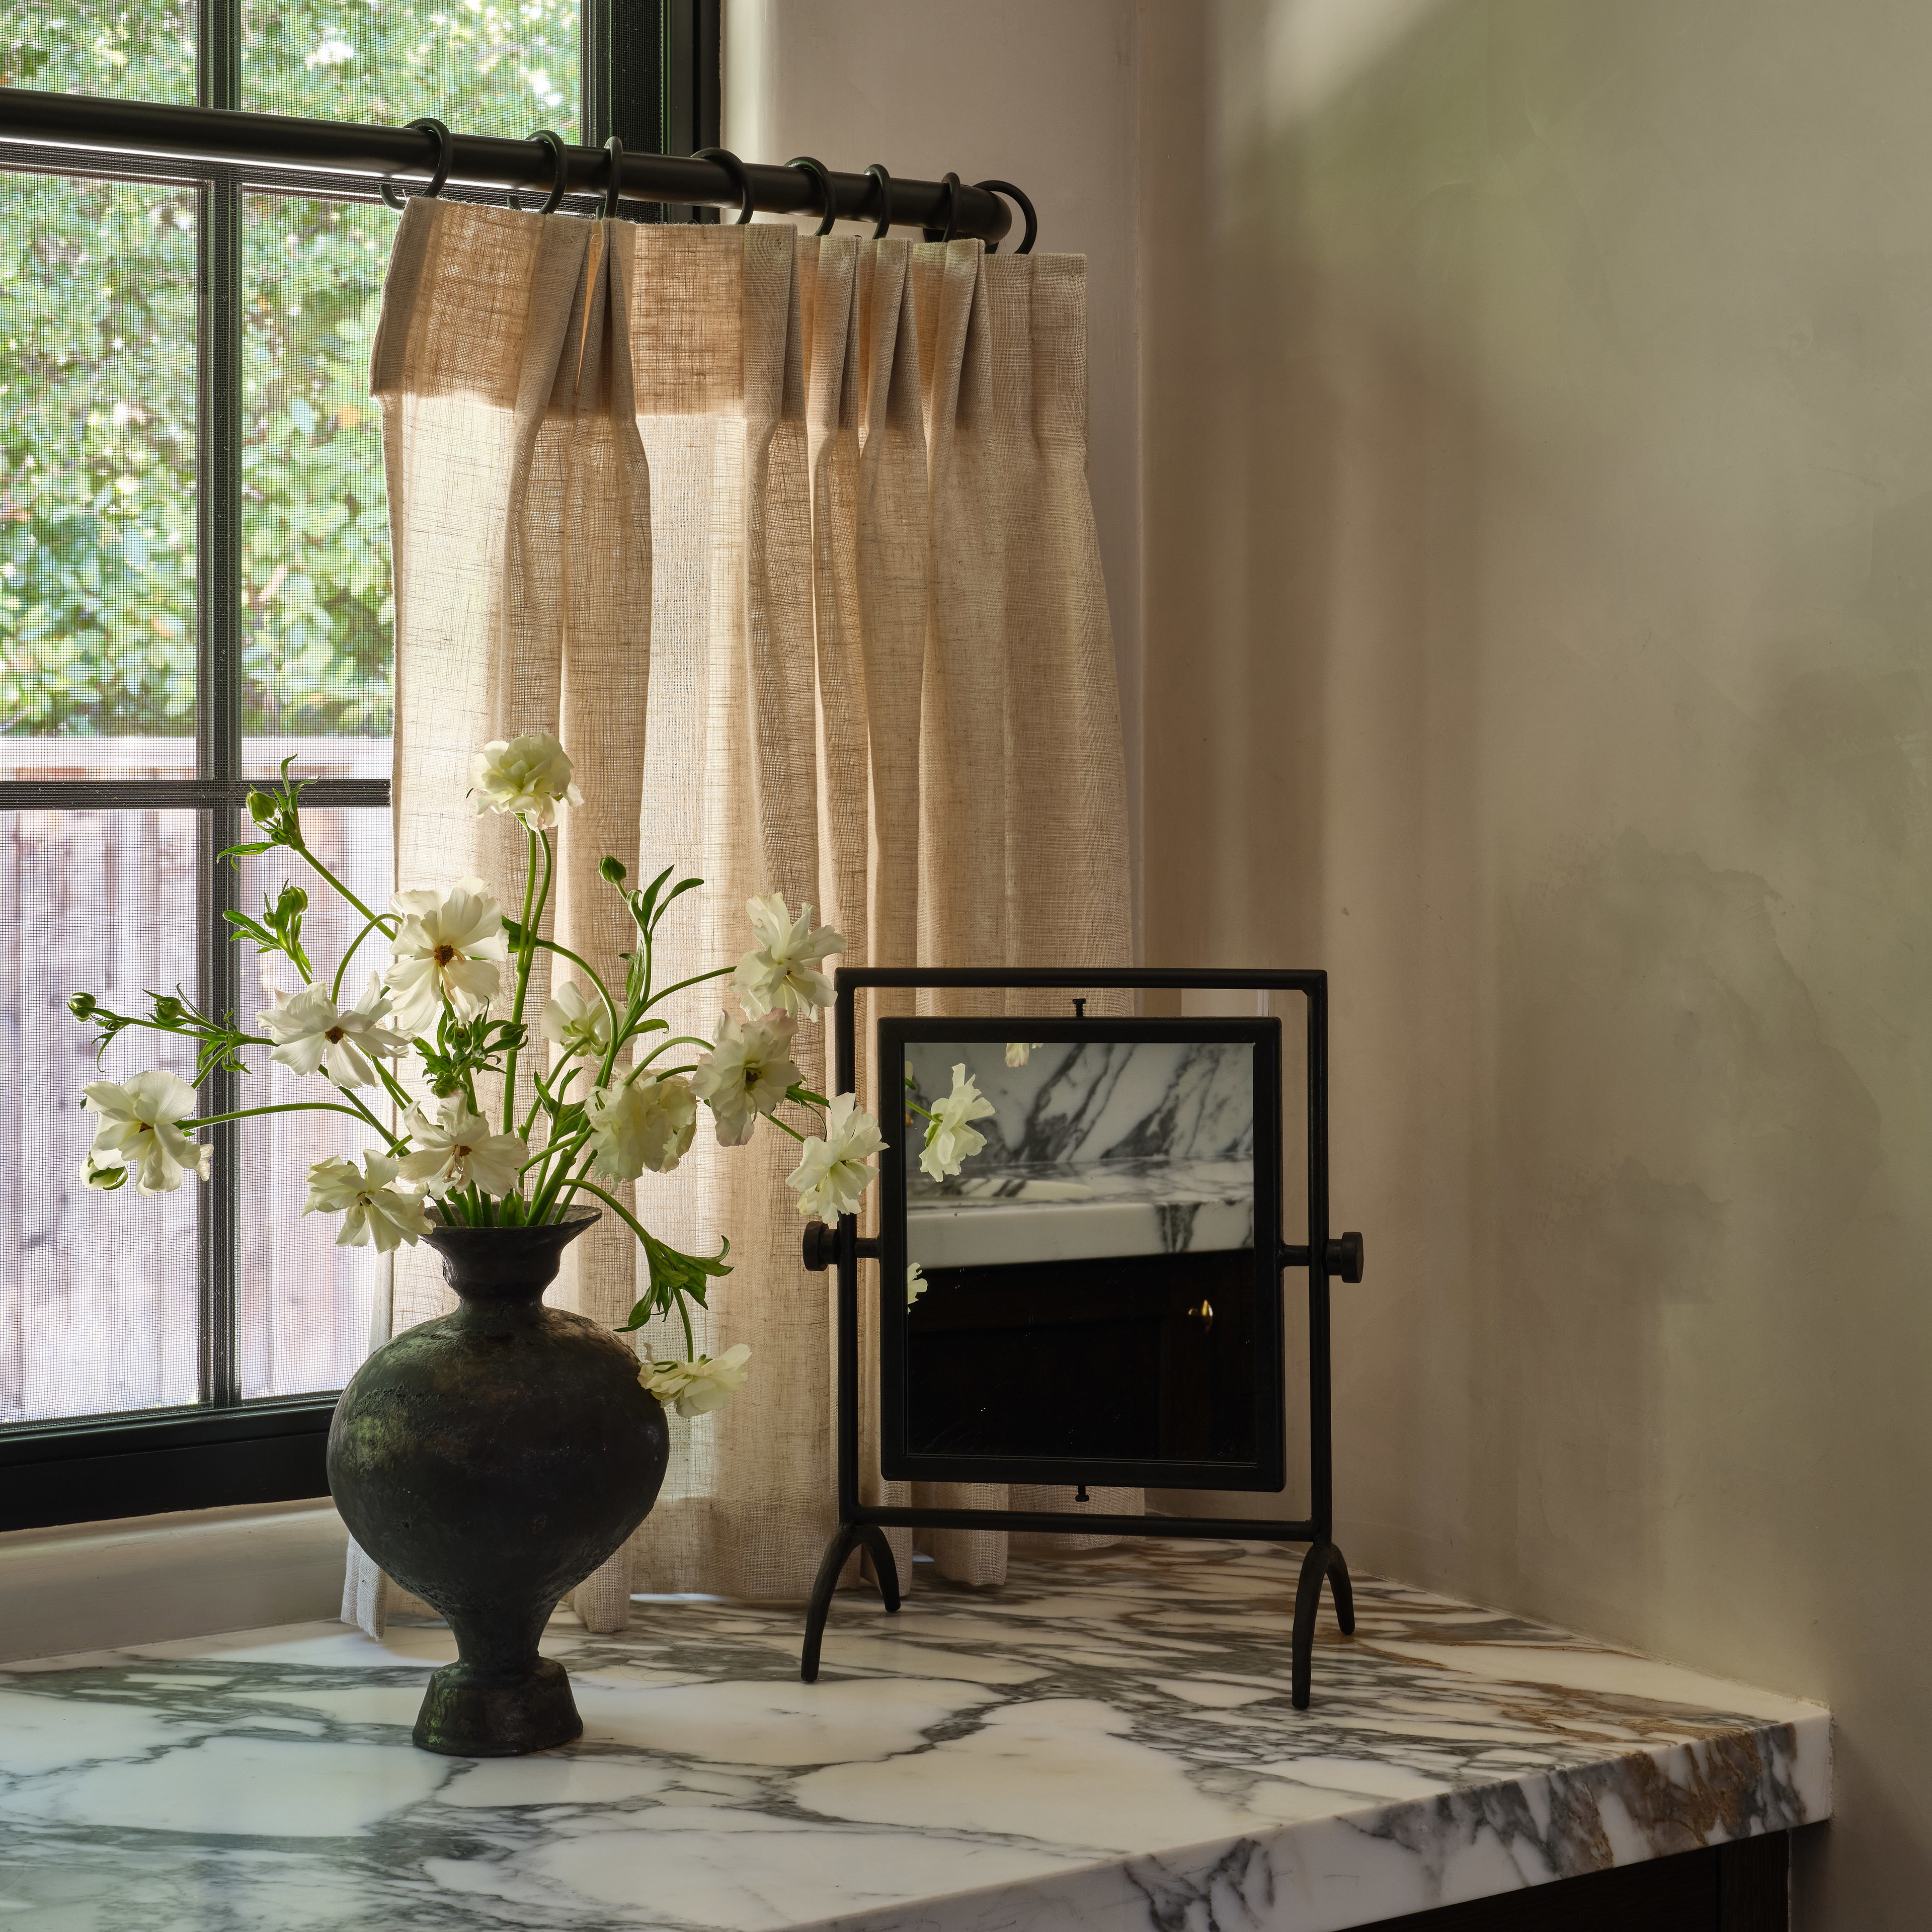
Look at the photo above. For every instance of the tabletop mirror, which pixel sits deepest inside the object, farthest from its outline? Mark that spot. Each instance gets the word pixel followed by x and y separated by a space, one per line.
pixel 1091 1303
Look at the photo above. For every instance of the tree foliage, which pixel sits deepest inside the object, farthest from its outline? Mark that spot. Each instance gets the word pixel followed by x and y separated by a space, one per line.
pixel 98 355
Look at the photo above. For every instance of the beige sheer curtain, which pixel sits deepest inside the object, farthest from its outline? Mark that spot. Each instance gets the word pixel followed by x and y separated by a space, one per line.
pixel 790 540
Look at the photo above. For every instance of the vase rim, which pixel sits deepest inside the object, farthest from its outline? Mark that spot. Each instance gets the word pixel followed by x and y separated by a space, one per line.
pixel 575 1218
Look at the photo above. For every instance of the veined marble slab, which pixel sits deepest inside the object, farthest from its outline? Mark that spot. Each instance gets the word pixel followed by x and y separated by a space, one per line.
pixel 997 1213
pixel 1105 1745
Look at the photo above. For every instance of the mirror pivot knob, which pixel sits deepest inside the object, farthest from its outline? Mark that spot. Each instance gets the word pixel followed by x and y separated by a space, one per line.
pixel 1345 1257
pixel 821 1247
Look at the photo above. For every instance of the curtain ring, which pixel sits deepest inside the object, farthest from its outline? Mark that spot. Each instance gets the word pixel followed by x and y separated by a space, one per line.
pixel 740 180
pixel 885 187
pixel 1012 193
pixel 951 185
pixel 560 177
pixel 429 125
pixel 614 149
pixel 806 165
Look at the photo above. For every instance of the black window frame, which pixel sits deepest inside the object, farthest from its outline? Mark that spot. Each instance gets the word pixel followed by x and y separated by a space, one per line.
pixel 648 73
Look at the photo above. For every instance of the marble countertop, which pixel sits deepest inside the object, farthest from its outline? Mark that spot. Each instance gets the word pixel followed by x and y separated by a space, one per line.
pixel 1105 1742
pixel 1050 1211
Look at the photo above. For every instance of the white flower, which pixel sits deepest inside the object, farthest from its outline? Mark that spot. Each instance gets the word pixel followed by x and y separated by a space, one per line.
pixel 948 1139
pixel 917 1283
pixel 459 1151
pixel 377 1212
pixel 783 969
pixel 309 1031
pixel 137 1130
pixel 106 1175
pixel 745 1074
pixel 647 1124
pixel 832 1174
pixel 1019 1052
pixel 578 1025
pixel 529 776
pixel 446 949
pixel 697 1387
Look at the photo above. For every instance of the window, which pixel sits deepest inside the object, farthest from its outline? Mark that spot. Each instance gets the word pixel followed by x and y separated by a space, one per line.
pixel 194 584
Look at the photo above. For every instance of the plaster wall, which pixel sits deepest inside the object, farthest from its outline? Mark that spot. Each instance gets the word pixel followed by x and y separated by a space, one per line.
pixel 1042 95
pixel 1538 459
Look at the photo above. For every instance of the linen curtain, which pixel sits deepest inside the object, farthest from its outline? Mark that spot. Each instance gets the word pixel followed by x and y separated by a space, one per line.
pixel 789 539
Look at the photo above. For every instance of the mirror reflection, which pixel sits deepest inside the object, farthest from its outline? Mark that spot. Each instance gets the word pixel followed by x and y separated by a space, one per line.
pixel 1080 1224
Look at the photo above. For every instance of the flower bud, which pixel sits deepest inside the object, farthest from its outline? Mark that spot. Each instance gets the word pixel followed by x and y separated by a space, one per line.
pixel 99 1174
pixel 292 900
pixel 83 1006
pixel 613 869
pixel 261 808
pixel 167 1008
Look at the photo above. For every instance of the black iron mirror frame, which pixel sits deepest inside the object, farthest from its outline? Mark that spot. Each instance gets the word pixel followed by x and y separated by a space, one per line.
pixel 1269 1470
pixel 862 1526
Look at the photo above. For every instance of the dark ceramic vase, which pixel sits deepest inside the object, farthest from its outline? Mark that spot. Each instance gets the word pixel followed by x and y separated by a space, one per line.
pixel 489 1461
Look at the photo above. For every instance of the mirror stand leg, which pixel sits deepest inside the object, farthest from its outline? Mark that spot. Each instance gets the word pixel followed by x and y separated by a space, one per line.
pixel 849 1537
pixel 873 1538
pixel 1343 1592
pixel 1315 1567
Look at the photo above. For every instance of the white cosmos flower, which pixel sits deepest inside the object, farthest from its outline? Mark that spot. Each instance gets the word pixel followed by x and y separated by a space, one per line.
pixel 376 1211
pixel 745 1074
pixel 1019 1052
pixel 647 1124
pixel 697 1387
pixel 456 1149
pixel 309 1031
pixel 832 1173
pixel 529 776
pixel 917 1283
pixel 578 1024
pixel 949 1139
pixel 446 949
pixel 783 971
pixel 137 1130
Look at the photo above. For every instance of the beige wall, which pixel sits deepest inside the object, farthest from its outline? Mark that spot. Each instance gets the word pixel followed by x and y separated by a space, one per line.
pixel 1039 92
pixel 1538 448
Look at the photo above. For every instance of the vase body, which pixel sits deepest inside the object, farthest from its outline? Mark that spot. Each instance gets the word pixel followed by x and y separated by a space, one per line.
pixel 489 1461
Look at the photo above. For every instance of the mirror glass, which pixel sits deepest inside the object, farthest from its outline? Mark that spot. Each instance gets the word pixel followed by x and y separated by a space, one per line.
pixel 1087 1289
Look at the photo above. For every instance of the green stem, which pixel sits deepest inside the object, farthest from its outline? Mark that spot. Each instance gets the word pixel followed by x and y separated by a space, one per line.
pixel 677 1039
pixel 610 1005
pixel 280 1107
pixel 374 918
pixel 525 953
pixel 396 1145
pixel 696 979
pixel 335 990
pixel 631 1221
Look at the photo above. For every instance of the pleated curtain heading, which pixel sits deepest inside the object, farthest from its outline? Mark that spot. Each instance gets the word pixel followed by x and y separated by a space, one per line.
pixel 790 541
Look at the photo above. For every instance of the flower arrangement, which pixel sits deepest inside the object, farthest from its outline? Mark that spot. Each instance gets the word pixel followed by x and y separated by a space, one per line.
pixel 615 1099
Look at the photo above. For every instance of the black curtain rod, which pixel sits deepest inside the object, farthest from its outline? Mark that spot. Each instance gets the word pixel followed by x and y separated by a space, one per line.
pixel 86 125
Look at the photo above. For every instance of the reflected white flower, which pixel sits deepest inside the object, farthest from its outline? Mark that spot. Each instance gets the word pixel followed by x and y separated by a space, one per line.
pixel 949 1139
pixel 783 971
pixel 528 777
pixel 446 949
pixel 309 1031
pixel 137 1130
pixel 1019 1052
pixel 917 1283
pixel 455 1148
pixel 697 1388
pixel 376 1212
pixel 833 1174
pixel 745 1074
pixel 578 1024
pixel 647 1124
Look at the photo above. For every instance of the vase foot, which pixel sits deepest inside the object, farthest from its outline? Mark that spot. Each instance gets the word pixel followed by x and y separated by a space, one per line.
pixel 470 1713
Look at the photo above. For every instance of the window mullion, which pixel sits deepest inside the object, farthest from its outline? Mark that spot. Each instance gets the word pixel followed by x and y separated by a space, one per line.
pixel 218 675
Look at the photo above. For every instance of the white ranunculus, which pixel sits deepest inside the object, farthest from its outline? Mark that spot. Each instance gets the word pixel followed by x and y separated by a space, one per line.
pixel 917 1283
pixel 106 1175
pixel 746 1073
pixel 137 1130
pixel 528 776
pixel 950 1138
pixel 446 949
pixel 647 1124
pixel 783 970
pixel 697 1387
pixel 1019 1052
pixel 309 1031
pixel 579 1025
pixel 376 1211
pixel 833 1174
pixel 454 1148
